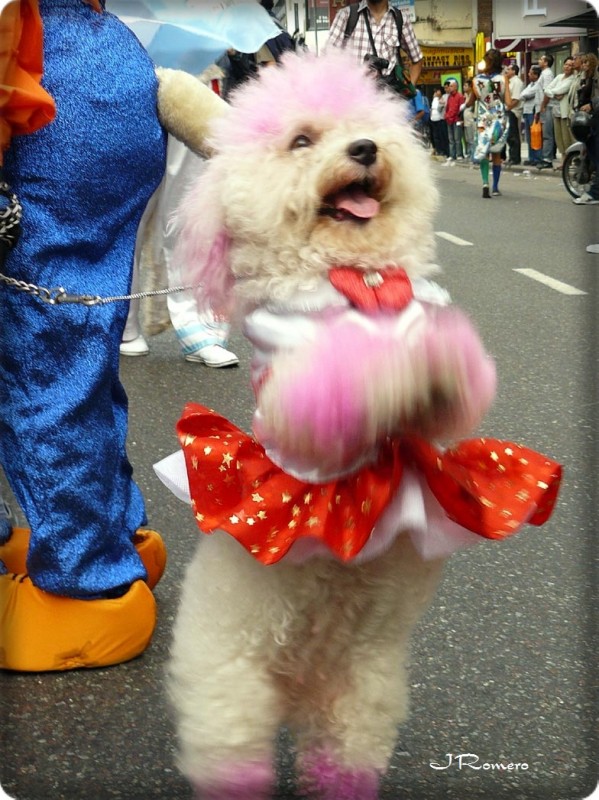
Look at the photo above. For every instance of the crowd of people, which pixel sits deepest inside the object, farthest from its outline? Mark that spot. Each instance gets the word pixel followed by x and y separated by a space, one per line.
pixel 546 97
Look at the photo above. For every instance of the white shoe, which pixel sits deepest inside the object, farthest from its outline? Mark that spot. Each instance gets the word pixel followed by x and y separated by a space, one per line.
pixel 593 248
pixel 585 200
pixel 136 347
pixel 214 355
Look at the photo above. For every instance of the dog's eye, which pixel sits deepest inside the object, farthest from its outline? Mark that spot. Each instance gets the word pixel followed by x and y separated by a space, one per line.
pixel 301 141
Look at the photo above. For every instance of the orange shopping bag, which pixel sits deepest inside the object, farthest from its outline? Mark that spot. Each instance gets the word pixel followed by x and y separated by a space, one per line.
pixel 536 135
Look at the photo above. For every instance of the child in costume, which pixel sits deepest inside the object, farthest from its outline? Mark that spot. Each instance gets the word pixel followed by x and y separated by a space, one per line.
pixel 77 588
pixel 491 91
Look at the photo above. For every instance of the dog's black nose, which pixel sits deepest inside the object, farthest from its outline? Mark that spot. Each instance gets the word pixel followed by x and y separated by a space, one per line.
pixel 363 151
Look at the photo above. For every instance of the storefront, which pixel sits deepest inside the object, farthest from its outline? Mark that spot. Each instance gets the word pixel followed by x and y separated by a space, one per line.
pixel 441 63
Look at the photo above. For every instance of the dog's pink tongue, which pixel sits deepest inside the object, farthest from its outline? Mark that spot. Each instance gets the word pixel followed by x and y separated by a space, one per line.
pixel 357 203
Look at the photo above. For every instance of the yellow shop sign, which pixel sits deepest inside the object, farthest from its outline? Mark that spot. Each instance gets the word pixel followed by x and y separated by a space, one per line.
pixel 437 57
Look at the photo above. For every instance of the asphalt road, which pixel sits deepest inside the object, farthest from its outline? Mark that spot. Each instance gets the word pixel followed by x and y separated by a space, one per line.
pixel 504 667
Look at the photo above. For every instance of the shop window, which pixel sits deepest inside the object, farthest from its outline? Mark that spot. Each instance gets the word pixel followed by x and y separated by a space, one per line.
pixel 532 8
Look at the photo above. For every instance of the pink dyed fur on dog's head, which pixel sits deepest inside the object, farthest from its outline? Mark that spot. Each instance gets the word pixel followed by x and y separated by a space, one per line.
pixel 331 86
pixel 256 217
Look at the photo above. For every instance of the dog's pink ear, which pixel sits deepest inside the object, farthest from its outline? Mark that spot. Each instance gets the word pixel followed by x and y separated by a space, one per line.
pixel 202 250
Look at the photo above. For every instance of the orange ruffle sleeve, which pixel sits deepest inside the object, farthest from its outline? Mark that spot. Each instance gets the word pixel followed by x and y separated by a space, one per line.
pixel 24 105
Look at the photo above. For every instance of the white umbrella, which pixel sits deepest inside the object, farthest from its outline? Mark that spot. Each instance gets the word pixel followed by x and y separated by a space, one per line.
pixel 192 34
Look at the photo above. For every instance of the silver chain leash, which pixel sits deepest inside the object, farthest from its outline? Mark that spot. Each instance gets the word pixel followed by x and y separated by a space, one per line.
pixel 58 295
pixel 10 222
pixel 10 217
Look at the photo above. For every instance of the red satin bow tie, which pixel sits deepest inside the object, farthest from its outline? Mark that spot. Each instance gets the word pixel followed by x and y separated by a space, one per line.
pixel 373 290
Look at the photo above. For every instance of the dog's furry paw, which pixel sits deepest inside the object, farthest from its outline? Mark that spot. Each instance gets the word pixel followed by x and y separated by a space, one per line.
pixel 336 399
pixel 323 778
pixel 454 379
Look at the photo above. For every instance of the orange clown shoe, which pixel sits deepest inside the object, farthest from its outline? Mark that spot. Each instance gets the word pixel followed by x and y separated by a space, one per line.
pixel 148 543
pixel 41 632
pixel 150 548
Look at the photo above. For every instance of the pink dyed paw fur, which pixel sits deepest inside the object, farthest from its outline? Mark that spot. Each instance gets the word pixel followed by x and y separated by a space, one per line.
pixel 355 386
pixel 253 781
pixel 324 779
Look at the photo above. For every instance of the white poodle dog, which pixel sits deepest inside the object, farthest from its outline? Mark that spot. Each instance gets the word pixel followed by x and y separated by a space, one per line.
pixel 332 522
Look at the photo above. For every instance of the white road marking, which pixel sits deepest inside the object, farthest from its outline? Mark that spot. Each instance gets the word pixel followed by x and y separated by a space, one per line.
pixel 564 288
pixel 451 238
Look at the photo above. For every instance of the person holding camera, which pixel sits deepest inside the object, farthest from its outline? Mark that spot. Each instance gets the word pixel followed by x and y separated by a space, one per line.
pixel 376 38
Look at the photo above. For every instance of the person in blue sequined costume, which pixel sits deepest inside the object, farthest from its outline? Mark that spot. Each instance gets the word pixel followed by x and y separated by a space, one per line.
pixel 83 181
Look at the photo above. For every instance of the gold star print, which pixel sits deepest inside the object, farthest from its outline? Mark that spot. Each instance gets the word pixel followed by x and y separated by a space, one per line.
pixel 189 439
pixel 486 502
pixel 251 521
pixel 227 459
pixel 234 520
pixel 257 497
pixel 274 550
pixel 261 515
pixel 312 522
pixel 285 497
pixel 366 506
pixel 542 485
pixel 494 456
pixel 207 450
pixel 295 510
pixel 255 548
pixel 292 524
pixel 307 498
pixel 194 462
pixel 200 517
pixel 523 495
pixel 509 451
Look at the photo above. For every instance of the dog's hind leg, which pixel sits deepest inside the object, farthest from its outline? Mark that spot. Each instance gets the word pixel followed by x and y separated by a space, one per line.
pixel 357 736
pixel 228 707
pixel 352 727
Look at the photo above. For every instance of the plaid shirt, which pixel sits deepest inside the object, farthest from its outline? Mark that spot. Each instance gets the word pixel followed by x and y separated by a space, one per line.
pixel 384 35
